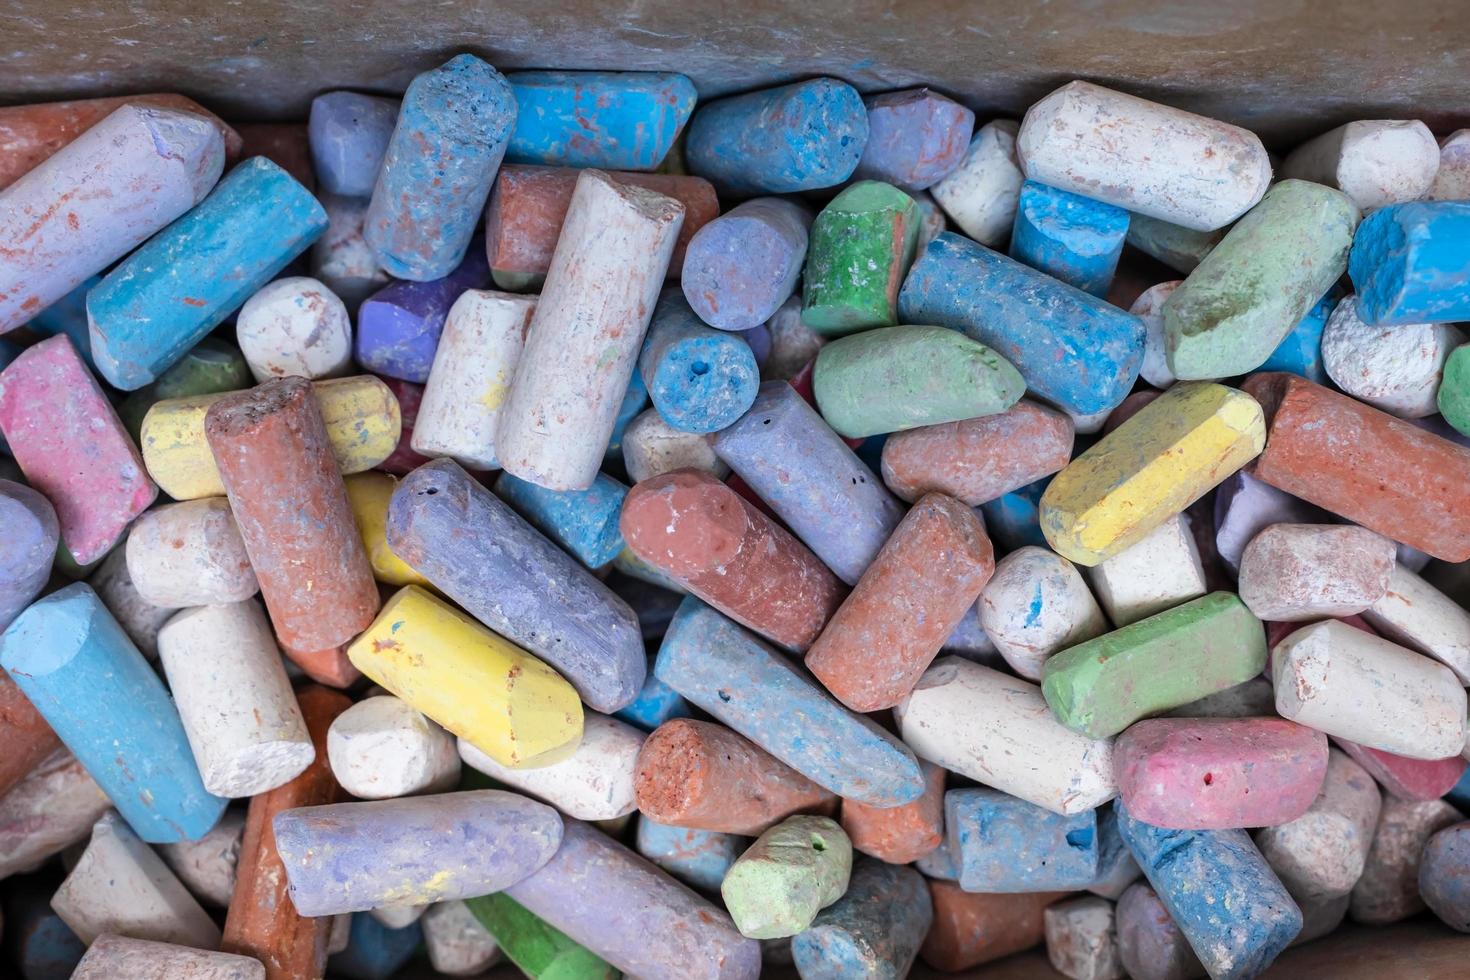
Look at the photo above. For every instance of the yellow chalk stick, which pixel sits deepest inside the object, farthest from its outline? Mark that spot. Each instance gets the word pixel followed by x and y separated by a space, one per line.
pixel 1150 468
pixel 369 493
pixel 362 419
pixel 477 685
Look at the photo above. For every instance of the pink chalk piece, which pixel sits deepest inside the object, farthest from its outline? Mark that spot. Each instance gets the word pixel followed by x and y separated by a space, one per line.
pixel 1408 779
pixel 1219 773
pixel 72 447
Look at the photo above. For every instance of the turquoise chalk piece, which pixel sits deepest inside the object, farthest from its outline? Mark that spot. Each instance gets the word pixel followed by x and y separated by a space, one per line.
pixel 655 704
pixel 873 932
pixel 1068 236
pixel 165 297
pixel 800 137
pixel 375 952
pixel 73 661
pixel 583 522
pixel 1075 350
pixel 699 858
pixel 1301 352
pixel 1219 890
pixel 700 379
pixel 1014 520
pixel 1002 844
pixel 616 120
pixel 725 670
pixel 1410 263
pixel 68 315
pixel 635 400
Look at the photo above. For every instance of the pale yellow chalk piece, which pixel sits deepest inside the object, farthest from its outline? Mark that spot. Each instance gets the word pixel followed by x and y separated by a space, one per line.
pixel 363 424
pixel 1150 468
pixel 475 684
pixel 369 493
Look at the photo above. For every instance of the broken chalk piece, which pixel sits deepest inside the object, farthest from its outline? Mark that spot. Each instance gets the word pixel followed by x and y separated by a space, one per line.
pixel 1408 264
pixel 862 244
pixel 1073 238
pixel 793 871
pixel 981 194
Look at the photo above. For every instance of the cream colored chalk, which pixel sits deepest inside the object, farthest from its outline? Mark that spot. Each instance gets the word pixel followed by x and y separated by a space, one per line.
pixel 1397 369
pixel 341 933
pixel 49 810
pixel 1081 941
pixel 399 916
pixel 1452 180
pixel 139 618
pixel 1149 307
pixel 1158 573
pixel 207 866
pixel 382 747
pixel 651 447
pixel 1293 573
pixel 1373 161
pixel 1421 617
pixel 341 258
pixel 189 554
pixel 982 193
pixel 119 958
pixel 1035 604
pixel 295 328
pixel 1321 854
pixel 458 945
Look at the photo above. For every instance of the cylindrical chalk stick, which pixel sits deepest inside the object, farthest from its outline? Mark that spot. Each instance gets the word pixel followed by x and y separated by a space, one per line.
pixel 1322 853
pixel 341 259
pixel 210 366
pixel 370 494
pixel 112 957
pixel 1299 572
pixel 862 244
pixel 1158 573
pixel 400 325
pixel 1388 889
pixel 1442 874
pixel 652 447
pixel 1149 307
pixel 583 522
pixel 981 194
pixel 594 783
pixel 382 747
pixel 740 267
pixel 700 379
pixel 31 533
pixel 972 929
pixel 49 810
pixel 1421 617
pixel 699 858
pixel 189 554
pixel 1373 161
pixel 295 327
pixel 349 133
pixel 793 871
pixel 1150 945
pixel 1408 779
pixel 458 945
pixel 207 866
pixel 598 118
pixel 899 834
pixel 1035 604
pixel 915 137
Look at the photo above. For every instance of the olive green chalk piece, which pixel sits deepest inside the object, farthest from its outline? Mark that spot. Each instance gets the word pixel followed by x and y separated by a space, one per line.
pixel 1454 390
pixel 1252 289
pixel 1206 645
pixel 212 366
pixel 860 249
pixel 897 378
pixel 793 871
pixel 539 950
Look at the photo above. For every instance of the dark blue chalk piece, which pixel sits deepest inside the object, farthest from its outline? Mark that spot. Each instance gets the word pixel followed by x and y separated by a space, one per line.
pixel 399 326
pixel 699 858
pixel 740 680
pixel 635 400
pixel 1410 263
pixel 349 134
pixel 583 522
pixel 375 952
pixel 1076 351
pixel 616 120
pixel 1444 876
pixel 759 341
pixel 1002 844
pixel 700 379
pixel 42 946
pixel 1301 352
pixel 67 315
pixel 1459 794
pixel 870 451
pixel 1013 520
pixel 800 137
pixel 164 298
pixel 654 705
pixel 1073 238
pixel 1219 890
pixel 73 661
pixel 27 548
pixel 873 932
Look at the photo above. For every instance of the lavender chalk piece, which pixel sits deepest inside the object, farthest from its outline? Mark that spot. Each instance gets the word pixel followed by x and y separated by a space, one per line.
pixel 1410 263
pixel 583 522
pixel 1444 876
pixel 446 148
pixel 348 133
pixel 165 297
pixel 915 138
pixel 398 327
pixel 27 547
pixel 806 473
pixel 1002 844
pixel 740 267
pixel 799 137
pixel 352 857
pixel 728 672
pixel 871 933
pixel 481 554
pixel 698 858
pixel 1076 239
pixel 1228 902
pixel 617 120
pixel 699 379
pixel 71 658
pixel 1073 349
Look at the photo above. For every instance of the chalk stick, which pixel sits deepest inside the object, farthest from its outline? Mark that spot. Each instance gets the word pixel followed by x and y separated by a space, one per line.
pixel 32 531
pixel 1321 854
pixel 457 944
pixel 113 957
pixel 1388 890
pixel 348 134
pixel 700 379
pixel 1001 844
pixel 28 739
pixel 594 783
pixel 207 866
pixel 1180 248
pixel 1453 397
pixel 1081 941
pixel 375 951
pixel 1375 162
pixel 399 915
pixel 862 244
pixel 295 327
pixel 583 522
pixel 189 554
pixel 742 266
pixel 1160 161
pixel 1408 779
pixel 1417 615
pixel 341 258
pixel 1442 875
pixel 1245 506
pixel 399 326
pixel 210 366
pixel 902 834
pixel 915 138
pixel 1150 944
pixel 1035 604
pixel 97 199
pixel 1452 179
pixel 698 858
pixel 1149 307
pixel 625 120
pixel 1073 238
pixel 1159 572
pixel 981 194
pixel 996 729
pixel 656 702
pixel 369 494
pixel 1396 369
pixel 475 549
pixel 1300 353
pixel 971 929
pixel 792 871
pixel 1406 264
pixel 874 931
pixel 382 748
pixel 1299 572
pixel 652 447
pixel 52 808
pixel 538 949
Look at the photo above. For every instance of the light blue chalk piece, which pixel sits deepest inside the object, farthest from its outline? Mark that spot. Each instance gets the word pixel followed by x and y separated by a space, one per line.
pixel 730 673
pixel 794 461
pixel 1002 844
pixel 1068 236
pixel 1459 794
pixel 700 379
pixel 740 267
pixel 1410 263
pixel 67 315
pixel 699 858
pixel 939 864
pixel 374 952
pixel 349 134
pixel 1013 520
pixel 73 661
pixel 583 522
pixel 655 704
pixel 617 120
pixel 165 297
pixel 453 127
pixel 799 137
pixel 1301 352
pixel 635 400
pixel 1076 351
pixel 873 932
pixel 1219 890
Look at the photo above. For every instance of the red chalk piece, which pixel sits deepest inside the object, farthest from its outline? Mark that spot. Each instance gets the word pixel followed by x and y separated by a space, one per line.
pixel 899 834
pixel 26 737
pixel 1408 779
pixel 970 929
pixel 331 666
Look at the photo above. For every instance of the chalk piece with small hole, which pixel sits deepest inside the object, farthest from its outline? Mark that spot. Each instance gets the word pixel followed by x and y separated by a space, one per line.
pixel 699 379
pixel 792 871
pixel 1001 844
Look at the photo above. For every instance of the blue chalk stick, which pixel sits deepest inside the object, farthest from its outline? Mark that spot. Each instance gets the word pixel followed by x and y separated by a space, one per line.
pixel 73 661
pixel 1301 352
pixel 1073 238
pixel 800 137
pixel 794 461
pixel 453 127
pixel 1002 844
pixel 375 952
pixel 616 120
pixel 939 864
pixel 27 547
pixel 873 932
pixel 700 379
pixel 165 297
pixel 1219 890
pixel 348 133
pixel 1075 350
pixel 68 315
pixel 1444 876
pixel 635 400
pixel 1410 263
pixel 399 326
pixel 740 680
pixel 699 858
pixel 1013 520
pixel 740 267
pixel 583 522
pixel 654 705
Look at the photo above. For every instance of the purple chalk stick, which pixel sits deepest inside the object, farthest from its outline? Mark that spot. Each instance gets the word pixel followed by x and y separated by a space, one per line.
pixel 398 327
pixel 740 267
pixel 1245 505
pixel 26 548
pixel 349 134
pixel 916 138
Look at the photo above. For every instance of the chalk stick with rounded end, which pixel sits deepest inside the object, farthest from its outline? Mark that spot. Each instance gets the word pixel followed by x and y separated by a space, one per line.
pixel 189 554
pixel 383 747
pixel 793 871
pixel 1035 604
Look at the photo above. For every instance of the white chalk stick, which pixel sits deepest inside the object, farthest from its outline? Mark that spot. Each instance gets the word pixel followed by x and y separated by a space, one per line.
pixel 982 193
pixel 138 617
pixel 793 343
pixel 1035 604
pixel 238 709
pixel 341 258
pixel 1321 854
pixel 1388 890
pixel 381 748
pixel 49 810
pixel 1452 179
pixel 121 886
pixel 651 447
pixel 1373 161
pixel 399 916
pixel 1397 369
pixel 1158 573
pixel 190 554
pixel 295 328
pixel 120 958
pixel 1149 307
pixel 458 945
pixel 1292 573
pixel 594 783
pixel 473 367
pixel 207 866
pixel 998 730
pixel 1356 686
pixel 1419 616
pixel 1081 941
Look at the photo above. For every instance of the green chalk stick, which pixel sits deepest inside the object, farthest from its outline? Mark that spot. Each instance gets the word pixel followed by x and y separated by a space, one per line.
pixel 793 871
pixel 1454 390
pixel 212 366
pixel 1102 686
pixel 1180 248
pixel 541 951
pixel 897 378
pixel 860 249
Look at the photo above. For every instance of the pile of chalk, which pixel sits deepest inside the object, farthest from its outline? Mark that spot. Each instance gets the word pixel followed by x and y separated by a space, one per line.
pixel 566 521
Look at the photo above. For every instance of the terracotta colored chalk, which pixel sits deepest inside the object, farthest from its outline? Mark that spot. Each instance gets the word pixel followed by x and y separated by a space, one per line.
pixel 970 929
pixel 303 544
pixel 330 666
pixel 28 740
pixel 701 775
pixel 899 834
pixel 1295 572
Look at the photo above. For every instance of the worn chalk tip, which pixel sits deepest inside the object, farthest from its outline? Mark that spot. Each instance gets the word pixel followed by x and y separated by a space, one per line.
pixel 472 101
pixel 189 138
pixel 710 520
pixel 51 631
pixel 240 413
pixel 642 203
